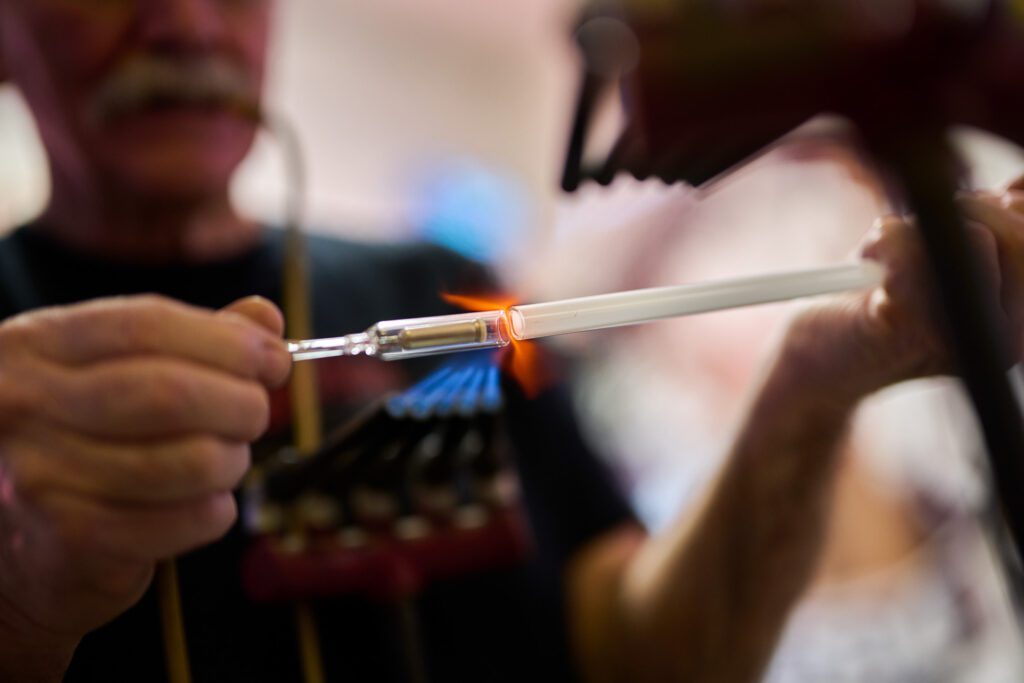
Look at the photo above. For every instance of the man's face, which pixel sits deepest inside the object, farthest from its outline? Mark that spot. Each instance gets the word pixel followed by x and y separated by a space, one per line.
pixel 154 96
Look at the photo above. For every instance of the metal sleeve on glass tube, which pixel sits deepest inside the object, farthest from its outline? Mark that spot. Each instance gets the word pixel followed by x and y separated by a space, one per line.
pixel 413 337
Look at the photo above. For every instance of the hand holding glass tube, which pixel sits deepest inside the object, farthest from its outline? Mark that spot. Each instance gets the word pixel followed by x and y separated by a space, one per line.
pixel 413 337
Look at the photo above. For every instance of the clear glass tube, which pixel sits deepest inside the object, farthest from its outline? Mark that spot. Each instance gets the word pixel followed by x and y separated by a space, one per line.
pixel 533 321
pixel 412 337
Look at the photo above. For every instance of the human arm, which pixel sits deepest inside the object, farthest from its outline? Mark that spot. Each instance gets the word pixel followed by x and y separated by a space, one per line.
pixel 706 600
pixel 124 426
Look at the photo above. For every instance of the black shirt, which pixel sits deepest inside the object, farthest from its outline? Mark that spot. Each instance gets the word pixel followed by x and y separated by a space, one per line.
pixel 505 625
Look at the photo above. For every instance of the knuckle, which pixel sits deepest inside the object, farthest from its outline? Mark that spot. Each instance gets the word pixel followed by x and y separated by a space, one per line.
pixel 141 317
pixel 25 337
pixel 886 237
pixel 152 301
pixel 20 331
pixel 192 469
pixel 1014 200
pixel 249 345
pixel 78 529
pixel 19 400
pixel 237 460
pixel 887 222
pixel 181 399
pixel 209 466
pixel 171 396
pixel 890 225
pixel 206 453
pixel 215 515
pixel 95 391
pixel 136 328
pixel 254 411
pixel 235 319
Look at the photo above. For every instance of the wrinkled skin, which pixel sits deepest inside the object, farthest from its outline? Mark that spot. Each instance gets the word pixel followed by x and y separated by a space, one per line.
pixel 124 426
pixel 60 54
pixel 125 423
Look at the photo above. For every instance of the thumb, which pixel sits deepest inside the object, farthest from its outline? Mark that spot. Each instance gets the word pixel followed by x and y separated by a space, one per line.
pixel 260 311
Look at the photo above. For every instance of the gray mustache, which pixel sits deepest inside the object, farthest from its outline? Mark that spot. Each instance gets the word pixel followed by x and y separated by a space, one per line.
pixel 150 81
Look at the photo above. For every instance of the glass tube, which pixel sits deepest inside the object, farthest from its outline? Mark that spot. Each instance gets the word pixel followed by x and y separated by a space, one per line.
pixel 533 321
pixel 413 337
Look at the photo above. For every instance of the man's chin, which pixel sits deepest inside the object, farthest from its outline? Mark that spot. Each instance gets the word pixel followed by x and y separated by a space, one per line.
pixel 175 183
pixel 176 177
pixel 178 166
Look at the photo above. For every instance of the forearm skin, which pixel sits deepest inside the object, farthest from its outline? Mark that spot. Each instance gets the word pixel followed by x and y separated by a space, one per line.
pixel 706 601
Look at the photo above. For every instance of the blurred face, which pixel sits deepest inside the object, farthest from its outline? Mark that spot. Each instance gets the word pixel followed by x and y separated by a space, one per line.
pixel 153 96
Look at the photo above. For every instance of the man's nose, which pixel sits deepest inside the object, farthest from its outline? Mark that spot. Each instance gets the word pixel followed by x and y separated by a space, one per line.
pixel 181 25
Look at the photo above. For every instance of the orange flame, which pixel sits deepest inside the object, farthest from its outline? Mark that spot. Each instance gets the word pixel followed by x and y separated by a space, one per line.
pixel 523 360
pixel 475 303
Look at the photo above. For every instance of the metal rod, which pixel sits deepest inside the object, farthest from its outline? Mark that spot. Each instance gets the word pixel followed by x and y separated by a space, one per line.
pixel 924 164
pixel 305 397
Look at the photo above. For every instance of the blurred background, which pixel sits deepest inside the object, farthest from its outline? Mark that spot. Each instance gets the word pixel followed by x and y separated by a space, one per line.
pixel 448 119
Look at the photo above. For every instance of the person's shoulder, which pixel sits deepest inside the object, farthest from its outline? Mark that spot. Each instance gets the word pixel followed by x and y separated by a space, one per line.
pixel 407 256
pixel 380 280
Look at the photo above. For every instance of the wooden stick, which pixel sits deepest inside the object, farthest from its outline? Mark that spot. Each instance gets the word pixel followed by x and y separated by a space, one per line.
pixel 175 647
pixel 305 399
pixel 309 645
pixel 412 643
pixel 304 395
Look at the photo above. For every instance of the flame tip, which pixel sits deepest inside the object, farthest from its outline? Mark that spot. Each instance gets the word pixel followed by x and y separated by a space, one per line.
pixel 523 360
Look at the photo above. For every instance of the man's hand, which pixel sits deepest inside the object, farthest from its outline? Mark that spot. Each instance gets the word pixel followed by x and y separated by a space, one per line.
pixel 723 579
pixel 871 340
pixel 124 426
